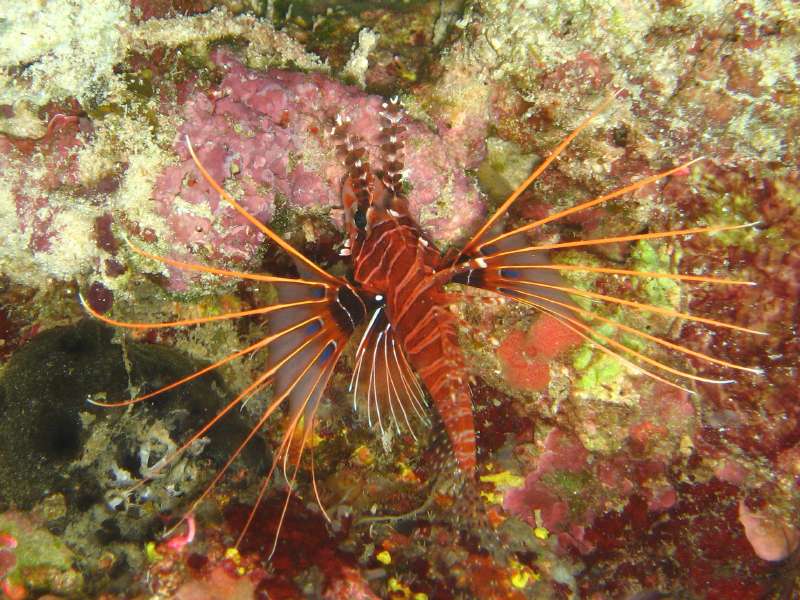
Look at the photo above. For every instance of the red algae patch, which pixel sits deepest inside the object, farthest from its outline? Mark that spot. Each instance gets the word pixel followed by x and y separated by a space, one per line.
pixel 218 584
pixel 525 356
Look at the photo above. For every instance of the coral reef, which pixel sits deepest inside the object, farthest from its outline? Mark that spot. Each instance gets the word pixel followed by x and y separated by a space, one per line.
pixel 593 481
pixel 47 58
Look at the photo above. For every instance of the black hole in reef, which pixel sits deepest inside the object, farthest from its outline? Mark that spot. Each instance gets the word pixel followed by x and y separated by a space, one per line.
pixel 73 342
pixel 129 460
pixel 59 436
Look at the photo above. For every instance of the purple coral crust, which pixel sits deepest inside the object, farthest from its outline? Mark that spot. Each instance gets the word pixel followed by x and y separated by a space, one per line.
pixel 265 136
pixel 33 207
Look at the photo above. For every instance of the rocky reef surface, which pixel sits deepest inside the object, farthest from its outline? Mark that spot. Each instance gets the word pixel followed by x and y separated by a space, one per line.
pixel 594 481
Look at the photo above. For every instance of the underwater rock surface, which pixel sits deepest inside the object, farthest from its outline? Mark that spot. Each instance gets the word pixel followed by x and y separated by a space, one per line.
pixel 601 483
pixel 70 463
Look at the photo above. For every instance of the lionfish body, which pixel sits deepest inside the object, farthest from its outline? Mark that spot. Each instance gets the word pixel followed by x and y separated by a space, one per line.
pixel 396 295
pixel 394 262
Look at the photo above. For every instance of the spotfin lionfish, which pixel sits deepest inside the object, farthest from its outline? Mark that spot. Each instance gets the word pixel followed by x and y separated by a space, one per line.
pixel 397 298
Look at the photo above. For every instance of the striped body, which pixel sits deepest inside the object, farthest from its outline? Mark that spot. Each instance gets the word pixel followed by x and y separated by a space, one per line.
pixel 395 262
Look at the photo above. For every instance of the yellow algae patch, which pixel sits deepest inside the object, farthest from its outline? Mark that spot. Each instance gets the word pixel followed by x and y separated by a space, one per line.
pixel 384 557
pixel 395 585
pixel 151 553
pixel 363 456
pixel 492 497
pixel 401 590
pixel 504 479
pixel 233 555
pixel 521 575
pixel 407 473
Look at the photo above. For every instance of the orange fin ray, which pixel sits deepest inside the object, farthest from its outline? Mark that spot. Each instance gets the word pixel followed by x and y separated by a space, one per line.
pixel 197 321
pixel 591 203
pixel 200 372
pixel 283 449
pixel 630 273
pixel 513 285
pixel 625 238
pixel 554 154
pixel 647 336
pixel 299 256
pixel 579 328
pixel 268 412
pixel 186 266
pixel 252 348
pixel 251 389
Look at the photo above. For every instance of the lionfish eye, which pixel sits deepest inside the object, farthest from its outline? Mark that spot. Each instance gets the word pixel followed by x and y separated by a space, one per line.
pixel 360 218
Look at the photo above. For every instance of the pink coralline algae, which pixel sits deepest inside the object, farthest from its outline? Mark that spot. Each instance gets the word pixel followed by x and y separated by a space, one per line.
pixel 771 538
pixel 265 137
pixel 34 207
pixel 562 454
pixel 7 559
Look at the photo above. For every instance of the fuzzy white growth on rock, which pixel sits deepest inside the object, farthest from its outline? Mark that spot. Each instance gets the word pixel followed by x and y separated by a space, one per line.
pixel 58 59
pixel 357 66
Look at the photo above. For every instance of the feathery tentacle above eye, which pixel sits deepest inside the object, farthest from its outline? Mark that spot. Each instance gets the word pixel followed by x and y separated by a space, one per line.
pixel 392 146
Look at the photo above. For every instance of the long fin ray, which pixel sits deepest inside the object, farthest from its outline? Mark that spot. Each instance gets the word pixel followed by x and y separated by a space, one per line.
pixel 260 382
pixel 624 238
pixel 629 273
pixel 299 256
pixel 590 203
pixel 511 283
pixel 381 379
pixel 322 376
pixel 639 355
pixel 263 310
pixel 579 328
pixel 186 266
pixel 554 154
pixel 268 412
pixel 652 338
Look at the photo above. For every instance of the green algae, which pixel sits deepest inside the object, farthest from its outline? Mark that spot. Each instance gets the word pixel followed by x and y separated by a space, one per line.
pixel 504 168
pixel 658 291
pixel 597 373
pixel 44 562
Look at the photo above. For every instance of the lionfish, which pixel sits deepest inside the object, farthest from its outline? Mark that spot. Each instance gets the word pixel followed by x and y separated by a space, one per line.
pixel 396 293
